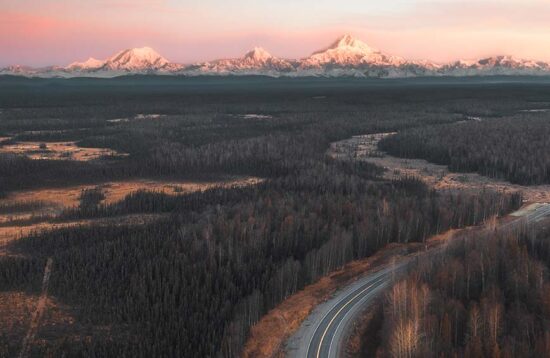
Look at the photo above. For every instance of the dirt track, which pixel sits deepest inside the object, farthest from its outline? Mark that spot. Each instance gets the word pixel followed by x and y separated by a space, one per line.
pixel 37 316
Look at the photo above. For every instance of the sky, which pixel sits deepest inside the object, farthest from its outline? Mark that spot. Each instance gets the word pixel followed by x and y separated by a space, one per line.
pixel 46 32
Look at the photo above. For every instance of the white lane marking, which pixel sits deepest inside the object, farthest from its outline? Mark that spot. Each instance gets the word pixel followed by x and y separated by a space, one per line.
pixel 534 216
pixel 338 313
pixel 374 277
pixel 358 303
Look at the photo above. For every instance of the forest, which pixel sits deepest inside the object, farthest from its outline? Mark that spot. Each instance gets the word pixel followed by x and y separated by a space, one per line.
pixel 213 272
pixel 188 129
pixel 514 148
pixel 192 282
pixel 484 296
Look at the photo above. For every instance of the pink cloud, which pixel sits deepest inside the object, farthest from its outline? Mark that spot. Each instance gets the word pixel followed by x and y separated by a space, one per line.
pixel 21 24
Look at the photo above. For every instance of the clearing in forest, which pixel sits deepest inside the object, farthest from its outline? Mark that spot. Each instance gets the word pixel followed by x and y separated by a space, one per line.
pixel 365 147
pixel 58 151
pixel 23 212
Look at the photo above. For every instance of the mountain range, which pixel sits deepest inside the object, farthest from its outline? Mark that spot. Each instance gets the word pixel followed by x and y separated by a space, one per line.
pixel 347 56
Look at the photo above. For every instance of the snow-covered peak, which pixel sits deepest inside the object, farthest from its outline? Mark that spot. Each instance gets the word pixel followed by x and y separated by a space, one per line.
pixel 15 69
pixel 506 61
pixel 256 61
pixel 91 63
pixel 350 44
pixel 136 59
pixel 509 62
pixel 348 51
pixel 258 54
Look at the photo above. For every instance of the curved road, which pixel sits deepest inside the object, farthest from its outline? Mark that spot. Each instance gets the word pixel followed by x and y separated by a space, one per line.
pixel 323 334
pixel 326 342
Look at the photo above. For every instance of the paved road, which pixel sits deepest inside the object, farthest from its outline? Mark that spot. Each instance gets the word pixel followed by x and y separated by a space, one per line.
pixel 323 333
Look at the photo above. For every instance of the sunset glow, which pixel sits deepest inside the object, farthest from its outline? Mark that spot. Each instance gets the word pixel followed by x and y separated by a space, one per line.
pixel 60 31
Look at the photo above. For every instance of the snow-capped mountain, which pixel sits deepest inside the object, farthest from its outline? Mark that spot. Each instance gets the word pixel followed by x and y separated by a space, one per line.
pixel 349 52
pixel 347 56
pixel 130 61
pixel 89 64
pixel 256 61
pixel 27 71
pixel 497 65
pixel 136 59
pixel 18 70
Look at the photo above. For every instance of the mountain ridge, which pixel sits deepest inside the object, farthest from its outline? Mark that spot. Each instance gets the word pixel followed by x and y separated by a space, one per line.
pixel 347 56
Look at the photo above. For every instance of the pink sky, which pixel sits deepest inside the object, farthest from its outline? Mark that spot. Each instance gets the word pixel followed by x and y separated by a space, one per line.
pixel 42 32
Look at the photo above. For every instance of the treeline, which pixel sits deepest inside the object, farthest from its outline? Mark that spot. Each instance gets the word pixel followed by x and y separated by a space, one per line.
pixel 19 172
pixel 143 201
pixel 267 156
pixel 483 297
pixel 193 284
pixel 514 148
pixel 317 173
pixel 17 273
